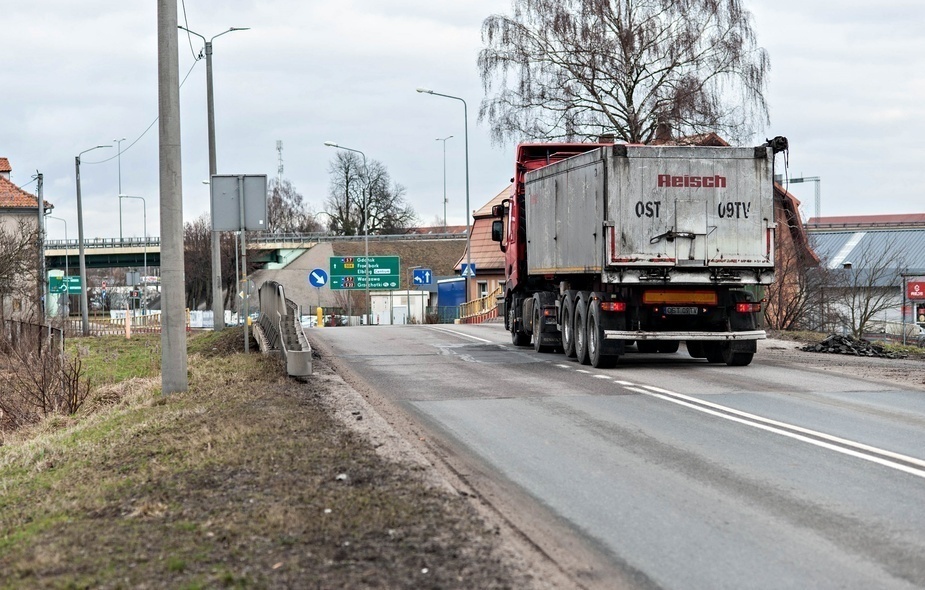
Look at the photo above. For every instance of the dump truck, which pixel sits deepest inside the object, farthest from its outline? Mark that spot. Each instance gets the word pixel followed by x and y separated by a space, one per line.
pixel 608 246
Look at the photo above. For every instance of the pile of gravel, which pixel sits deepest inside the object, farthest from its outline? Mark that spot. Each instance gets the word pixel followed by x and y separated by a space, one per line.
pixel 836 344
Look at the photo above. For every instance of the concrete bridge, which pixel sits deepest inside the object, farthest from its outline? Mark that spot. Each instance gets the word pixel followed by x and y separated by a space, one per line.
pixel 132 252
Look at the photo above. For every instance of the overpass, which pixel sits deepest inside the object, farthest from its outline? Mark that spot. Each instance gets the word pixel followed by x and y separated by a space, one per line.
pixel 131 252
pixel 103 252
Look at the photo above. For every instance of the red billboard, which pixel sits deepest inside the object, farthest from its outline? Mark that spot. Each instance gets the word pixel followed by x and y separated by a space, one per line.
pixel 915 288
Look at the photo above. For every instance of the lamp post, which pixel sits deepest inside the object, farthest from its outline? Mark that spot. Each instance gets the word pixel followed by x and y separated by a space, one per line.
pixel 443 139
pixel 144 277
pixel 84 306
pixel 466 136
pixel 365 222
pixel 118 143
pixel 218 307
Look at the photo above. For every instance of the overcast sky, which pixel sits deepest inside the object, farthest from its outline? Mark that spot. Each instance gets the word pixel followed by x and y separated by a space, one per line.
pixel 847 87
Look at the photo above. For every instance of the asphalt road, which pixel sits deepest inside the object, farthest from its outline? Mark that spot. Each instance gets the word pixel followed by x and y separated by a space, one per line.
pixel 678 473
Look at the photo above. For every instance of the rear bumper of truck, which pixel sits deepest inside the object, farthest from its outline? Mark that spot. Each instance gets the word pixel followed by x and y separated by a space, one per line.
pixel 706 336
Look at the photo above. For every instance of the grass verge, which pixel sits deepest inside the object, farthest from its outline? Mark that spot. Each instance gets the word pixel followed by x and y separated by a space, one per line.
pixel 244 481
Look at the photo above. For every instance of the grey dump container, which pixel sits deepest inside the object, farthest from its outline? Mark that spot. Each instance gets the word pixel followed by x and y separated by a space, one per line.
pixel 636 214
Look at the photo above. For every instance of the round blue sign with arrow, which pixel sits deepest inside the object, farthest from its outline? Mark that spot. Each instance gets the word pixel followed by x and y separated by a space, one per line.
pixel 318 278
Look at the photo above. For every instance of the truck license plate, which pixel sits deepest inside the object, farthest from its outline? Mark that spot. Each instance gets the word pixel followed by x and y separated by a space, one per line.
pixel 675 310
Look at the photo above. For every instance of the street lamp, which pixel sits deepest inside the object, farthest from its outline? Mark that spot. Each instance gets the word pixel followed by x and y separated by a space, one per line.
pixel 443 139
pixel 218 307
pixel 84 306
pixel 365 221
pixel 118 143
pixel 144 277
pixel 468 272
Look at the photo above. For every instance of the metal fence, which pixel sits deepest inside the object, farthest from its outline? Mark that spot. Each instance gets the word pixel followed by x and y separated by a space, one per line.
pixel 29 337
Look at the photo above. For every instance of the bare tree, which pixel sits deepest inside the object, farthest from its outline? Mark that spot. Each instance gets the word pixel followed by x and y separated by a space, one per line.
pixel 388 210
pixel 358 193
pixel 18 263
pixel 871 284
pixel 287 210
pixel 569 69
pixel 793 300
pixel 345 194
pixel 197 262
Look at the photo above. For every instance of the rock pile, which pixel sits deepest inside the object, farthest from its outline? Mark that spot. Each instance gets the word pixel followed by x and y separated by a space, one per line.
pixel 836 344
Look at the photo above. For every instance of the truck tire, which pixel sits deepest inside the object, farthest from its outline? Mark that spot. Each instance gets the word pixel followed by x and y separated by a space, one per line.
pixel 714 352
pixel 581 328
pixel 568 325
pixel 537 332
pixel 518 336
pixel 737 359
pixel 596 340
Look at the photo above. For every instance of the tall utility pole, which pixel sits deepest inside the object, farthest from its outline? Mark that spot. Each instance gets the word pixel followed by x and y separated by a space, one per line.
pixel 40 291
pixel 443 139
pixel 218 307
pixel 118 143
pixel 173 297
pixel 81 256
pixel 279 168
pixel 468 272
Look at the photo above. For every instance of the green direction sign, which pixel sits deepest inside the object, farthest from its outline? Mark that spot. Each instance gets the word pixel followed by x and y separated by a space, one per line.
pixel 70 285
pixel 351 272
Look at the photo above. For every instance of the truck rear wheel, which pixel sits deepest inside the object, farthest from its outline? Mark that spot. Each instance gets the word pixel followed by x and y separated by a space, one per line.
pixel 737 359
pixel 596 340
pixel 518 336
pixel 568 325
pixel 581 328
pixel 538 346
pixel 714 352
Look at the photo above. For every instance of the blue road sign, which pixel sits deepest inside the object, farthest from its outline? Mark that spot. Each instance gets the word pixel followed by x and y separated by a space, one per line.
pixel 423 276
pixel 318 278
pixel 468 270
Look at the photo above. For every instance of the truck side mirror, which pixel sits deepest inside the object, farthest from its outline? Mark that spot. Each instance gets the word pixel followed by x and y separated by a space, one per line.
pixel 497 210
pixel 497 230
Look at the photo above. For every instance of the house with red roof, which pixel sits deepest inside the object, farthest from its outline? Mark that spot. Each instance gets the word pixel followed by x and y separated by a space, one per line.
pixel 19 249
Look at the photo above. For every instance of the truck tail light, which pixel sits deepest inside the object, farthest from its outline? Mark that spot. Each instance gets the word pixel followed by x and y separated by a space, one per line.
pixel 619 306
pixel 748 307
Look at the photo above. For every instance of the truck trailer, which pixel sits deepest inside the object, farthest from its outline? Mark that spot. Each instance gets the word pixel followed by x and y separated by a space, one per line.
pixel 610 245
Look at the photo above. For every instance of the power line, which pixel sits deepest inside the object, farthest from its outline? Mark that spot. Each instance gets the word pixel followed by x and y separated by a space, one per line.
pixel 143 133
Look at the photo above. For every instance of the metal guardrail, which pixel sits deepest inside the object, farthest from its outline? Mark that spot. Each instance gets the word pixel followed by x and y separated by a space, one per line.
pixel 282 330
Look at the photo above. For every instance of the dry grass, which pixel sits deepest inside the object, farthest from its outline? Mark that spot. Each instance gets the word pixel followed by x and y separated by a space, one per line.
pixel 245 481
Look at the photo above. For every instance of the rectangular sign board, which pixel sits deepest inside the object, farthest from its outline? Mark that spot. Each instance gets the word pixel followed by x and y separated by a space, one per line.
pixel 350 272
pixel 226 204
pixel 915 288
pixel 69 285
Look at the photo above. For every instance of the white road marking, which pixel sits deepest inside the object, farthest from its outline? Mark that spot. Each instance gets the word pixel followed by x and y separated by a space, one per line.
pixel 857 450
pixel 601 377
pixel 463 334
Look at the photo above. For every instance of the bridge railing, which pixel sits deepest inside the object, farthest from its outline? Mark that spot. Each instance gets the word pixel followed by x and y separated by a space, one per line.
pixel 481 309
pixel 150 242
